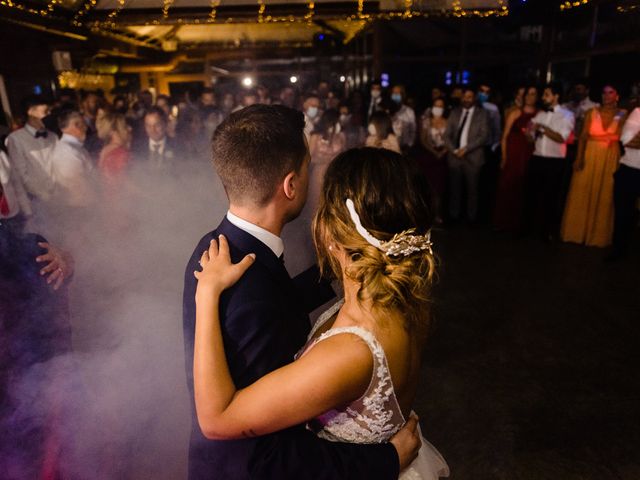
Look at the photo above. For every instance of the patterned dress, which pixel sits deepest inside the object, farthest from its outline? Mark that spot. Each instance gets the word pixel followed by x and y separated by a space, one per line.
pixel 376 416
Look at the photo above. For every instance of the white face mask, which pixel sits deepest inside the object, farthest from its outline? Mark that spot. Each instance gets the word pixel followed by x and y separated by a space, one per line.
pixel 372 130
pixel 375 93
pixel 437 111
pixel 345 118
pixel 312 112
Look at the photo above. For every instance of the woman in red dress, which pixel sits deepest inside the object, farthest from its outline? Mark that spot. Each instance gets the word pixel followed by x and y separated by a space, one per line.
pixel 517 149
pixel 114 157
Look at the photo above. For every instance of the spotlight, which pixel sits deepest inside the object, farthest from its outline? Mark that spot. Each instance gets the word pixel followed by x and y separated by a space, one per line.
pixel 293 79
pixel 247 81
pixel 343 78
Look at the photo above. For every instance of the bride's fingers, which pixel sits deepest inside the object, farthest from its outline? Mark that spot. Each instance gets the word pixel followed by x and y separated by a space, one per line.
pixel 204 258
pixel 224 246
pixel 213 249
pixel 245 263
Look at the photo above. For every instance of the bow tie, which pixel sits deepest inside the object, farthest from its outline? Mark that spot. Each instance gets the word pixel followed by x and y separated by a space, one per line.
pixel 41 133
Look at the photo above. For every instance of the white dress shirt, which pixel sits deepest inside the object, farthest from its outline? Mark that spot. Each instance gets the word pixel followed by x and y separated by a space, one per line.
pixel 404 126
pixel 559 120
pixel 630 129
pixel 272 241
pixel 157 146
pixel 464 138
pixel 30 161
pixel 71 168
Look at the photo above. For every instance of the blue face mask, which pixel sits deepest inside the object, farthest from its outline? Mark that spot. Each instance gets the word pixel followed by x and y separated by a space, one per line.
pixel 396 97
pixel 483 97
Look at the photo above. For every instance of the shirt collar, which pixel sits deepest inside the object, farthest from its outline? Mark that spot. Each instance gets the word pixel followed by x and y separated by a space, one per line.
pixel 30 129
pixel 71 139
pixel 160 143
pixel 275 243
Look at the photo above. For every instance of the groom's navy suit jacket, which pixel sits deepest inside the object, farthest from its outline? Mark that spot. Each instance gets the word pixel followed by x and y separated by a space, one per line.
pixel 264 323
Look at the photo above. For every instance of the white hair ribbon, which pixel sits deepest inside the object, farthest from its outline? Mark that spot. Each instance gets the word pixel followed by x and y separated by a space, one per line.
pixel 402 244
pixel 361 230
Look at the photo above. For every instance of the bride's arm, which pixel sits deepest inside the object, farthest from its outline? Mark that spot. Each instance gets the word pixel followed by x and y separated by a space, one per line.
pixel 334 372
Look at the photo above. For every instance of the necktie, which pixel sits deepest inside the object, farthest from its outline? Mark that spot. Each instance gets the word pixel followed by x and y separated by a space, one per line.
pixel 155 153
pixel 461 128
pixel 41 133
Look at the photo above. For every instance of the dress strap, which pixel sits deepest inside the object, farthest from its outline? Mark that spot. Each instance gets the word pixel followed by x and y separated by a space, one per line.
pixel 325 317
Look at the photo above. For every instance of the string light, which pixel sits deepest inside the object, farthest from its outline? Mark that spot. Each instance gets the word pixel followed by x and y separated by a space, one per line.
pixel 576 3
pixel 310 12
pixel 166 5
pixel 23 8
pixel 261 9
pixel 112 16
pixel 627 8
pixel 214 11
pixel 82 11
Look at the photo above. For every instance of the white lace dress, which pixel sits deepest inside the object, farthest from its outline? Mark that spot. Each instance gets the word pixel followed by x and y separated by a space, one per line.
pixel 376 416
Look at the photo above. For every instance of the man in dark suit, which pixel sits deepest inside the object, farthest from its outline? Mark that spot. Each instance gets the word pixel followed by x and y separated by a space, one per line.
pixel 156 149
pixel 466 136
pixel 262 159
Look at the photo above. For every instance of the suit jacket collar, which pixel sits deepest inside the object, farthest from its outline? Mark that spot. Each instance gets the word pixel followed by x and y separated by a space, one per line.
pixel 247 243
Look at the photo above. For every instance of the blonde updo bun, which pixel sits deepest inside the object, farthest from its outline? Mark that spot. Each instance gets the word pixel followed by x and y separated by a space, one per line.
pixel 390 195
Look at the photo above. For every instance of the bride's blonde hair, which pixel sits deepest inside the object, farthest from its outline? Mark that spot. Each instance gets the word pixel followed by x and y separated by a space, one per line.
pixel 390 196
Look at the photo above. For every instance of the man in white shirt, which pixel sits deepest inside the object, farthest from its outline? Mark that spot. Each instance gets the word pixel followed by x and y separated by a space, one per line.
pixel 71 165
pixel 466 136
pixel 626 188
pixel 548 165
pixel 30 150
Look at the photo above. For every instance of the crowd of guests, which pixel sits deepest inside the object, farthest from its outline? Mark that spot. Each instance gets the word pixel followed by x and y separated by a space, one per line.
pixel 531 165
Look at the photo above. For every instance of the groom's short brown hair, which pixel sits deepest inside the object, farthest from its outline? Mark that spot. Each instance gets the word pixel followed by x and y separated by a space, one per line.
pixel 254 148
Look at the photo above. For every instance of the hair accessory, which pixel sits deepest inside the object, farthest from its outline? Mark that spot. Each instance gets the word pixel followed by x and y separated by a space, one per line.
pixel 402 244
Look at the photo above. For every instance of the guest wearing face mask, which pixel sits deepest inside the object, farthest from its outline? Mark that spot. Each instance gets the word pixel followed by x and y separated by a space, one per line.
pixel 433 124
pixel 354 133
pixel 312 114
pixel 381 133
pixel 404 119
pixel 375 100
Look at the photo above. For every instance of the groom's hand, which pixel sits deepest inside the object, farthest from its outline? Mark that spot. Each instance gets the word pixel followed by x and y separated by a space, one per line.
pixel 407 442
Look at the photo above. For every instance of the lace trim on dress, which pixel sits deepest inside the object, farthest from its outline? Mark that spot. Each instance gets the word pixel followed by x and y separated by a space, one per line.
pixel 376 415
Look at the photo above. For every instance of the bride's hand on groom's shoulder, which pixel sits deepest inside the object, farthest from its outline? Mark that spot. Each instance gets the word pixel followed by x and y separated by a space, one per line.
pixel 218 272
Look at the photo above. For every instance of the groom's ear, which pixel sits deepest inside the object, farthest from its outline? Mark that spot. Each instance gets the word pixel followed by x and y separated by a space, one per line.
pixel 290 185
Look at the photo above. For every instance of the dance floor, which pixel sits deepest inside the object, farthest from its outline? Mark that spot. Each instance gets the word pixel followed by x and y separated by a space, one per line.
pixel 531 371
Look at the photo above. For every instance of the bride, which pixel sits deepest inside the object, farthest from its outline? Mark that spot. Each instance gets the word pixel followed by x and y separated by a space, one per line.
pixel 356 378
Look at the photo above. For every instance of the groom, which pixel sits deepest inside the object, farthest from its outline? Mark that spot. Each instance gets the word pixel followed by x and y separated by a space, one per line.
pixel 261 155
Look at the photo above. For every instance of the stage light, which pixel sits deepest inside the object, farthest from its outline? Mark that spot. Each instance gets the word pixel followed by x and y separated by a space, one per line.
pixel 343 78
pixel 247 81
pixel 293 79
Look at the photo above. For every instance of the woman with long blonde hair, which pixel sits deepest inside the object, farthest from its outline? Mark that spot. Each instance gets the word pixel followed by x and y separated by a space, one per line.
pixel 355 380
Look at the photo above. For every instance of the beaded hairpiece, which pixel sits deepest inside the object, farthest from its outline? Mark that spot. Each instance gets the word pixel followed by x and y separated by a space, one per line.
pixel 402 244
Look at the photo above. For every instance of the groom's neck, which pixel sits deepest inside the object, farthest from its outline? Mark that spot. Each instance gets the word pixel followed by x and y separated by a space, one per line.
pixel 268 217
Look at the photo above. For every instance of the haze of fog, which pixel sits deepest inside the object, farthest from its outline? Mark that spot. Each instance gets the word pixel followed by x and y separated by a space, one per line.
pixel 123 396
